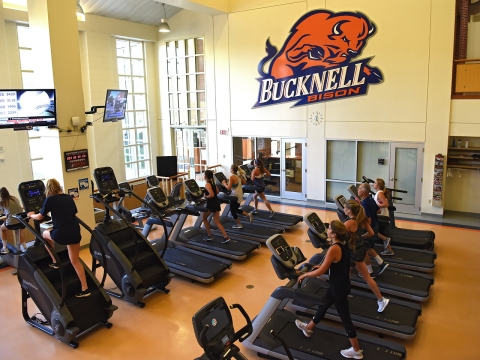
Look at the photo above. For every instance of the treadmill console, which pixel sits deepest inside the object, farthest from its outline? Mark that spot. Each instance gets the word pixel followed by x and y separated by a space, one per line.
pixel 340 201
pixel 352 189
pixel 158 197
pixel 192 189
pixel 105 179
pixel 288 256
pixel 32 195
pixel 152 181
pixel 219 177
pixel 316 225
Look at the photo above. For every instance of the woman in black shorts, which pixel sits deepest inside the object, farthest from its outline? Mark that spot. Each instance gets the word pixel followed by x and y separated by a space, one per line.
pixel 66 228
pixel 213 206
pixel 337 262
pixel 9 205
pixel 257 177
pixel 357 223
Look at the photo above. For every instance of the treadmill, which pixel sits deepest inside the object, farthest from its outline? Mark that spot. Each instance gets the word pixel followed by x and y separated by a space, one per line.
pixel 416 239
pixel 403 283
pixel 182 261
pixel 192 237
pixel 287 221
pixel 403 258
pixel 326 341
pixel 262 217
pixel 399 319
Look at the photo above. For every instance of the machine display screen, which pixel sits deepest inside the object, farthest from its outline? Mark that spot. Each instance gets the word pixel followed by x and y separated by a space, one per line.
pixel 106 177
pixel 220 177
pixel 31 193
pixel 217 320
pixel 153 180
pixel 316 223
pixel 158 195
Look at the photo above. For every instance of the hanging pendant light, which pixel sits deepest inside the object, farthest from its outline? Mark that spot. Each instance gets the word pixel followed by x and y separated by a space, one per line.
pixel 163 22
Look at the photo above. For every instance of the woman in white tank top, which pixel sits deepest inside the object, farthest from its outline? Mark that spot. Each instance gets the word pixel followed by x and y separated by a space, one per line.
pixel 382 202
pixel 237 179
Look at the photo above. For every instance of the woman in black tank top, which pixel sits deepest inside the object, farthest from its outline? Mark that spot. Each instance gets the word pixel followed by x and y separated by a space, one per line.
pixel 337 261
pixel 213 206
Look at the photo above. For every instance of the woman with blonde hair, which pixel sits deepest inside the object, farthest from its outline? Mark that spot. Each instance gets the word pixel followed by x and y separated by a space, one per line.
pixel 381 198
pixel 10 206
pixel 66 228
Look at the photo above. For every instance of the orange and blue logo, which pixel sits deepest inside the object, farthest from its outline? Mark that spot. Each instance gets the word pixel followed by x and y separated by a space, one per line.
pixel 316 62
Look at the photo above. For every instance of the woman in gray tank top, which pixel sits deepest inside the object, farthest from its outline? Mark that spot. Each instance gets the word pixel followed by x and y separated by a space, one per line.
pixel 237 179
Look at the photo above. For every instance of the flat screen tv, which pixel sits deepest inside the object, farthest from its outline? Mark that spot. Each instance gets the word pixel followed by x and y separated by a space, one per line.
pixel 115 105
pixel 26 108
pixel 166 166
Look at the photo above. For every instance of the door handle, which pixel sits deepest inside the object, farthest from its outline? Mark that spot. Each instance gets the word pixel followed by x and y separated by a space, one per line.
pixel 283 170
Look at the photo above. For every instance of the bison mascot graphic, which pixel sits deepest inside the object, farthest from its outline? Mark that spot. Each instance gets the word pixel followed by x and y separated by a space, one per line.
pixel 321 39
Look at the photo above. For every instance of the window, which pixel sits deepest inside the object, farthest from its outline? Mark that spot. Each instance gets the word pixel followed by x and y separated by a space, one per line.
pixel 186 82
pixel 26 68
pixel 135 131
pixel 348 161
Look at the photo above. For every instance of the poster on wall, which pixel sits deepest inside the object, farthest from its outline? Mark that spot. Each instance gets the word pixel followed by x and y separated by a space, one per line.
pixel 319 60
pixel 73 192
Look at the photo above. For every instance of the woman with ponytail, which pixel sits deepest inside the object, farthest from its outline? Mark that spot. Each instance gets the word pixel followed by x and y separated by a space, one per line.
pixel 237 179
pixel 337 261
pixel 381 198
pixel 257 177
pixel 213 206
pixel 357 224
pixel 9 205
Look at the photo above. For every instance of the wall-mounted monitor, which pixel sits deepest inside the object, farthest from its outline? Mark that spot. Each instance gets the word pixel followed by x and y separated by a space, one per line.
pixel 26 108
pixel 115 105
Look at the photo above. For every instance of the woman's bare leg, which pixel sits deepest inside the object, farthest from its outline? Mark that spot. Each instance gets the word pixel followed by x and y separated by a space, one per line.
pixel 74 255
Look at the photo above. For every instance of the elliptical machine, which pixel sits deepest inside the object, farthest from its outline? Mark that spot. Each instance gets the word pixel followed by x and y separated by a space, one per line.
pixel 133 264
pixel 53 290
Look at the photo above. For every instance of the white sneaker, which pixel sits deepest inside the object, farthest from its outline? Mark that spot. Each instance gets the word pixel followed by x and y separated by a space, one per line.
pixel 237 226
pixel 386 242
pixel 382 304
pixel 303 326
pixel 352 354
pixel 250 217
pixel 4 251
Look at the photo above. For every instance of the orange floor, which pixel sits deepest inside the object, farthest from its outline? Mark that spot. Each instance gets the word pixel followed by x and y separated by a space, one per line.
pixel 162 330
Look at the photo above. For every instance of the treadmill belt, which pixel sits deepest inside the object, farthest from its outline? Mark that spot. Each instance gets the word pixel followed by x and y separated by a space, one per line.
pixel 248 229
pixel 232 245
pixel 193 261
pixel 328 344
pixel 410 256
pixel 368 308
pixel 285 219
pixel 392 276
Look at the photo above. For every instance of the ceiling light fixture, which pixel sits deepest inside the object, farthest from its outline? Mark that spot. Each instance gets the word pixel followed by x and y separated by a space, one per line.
pixel 80 12
pixel 163 22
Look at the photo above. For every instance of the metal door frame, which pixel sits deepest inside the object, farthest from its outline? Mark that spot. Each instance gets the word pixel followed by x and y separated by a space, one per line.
pixel 284 194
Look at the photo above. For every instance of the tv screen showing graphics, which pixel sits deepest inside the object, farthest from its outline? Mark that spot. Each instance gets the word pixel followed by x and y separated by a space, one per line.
pixel 115 105
pixel 26 108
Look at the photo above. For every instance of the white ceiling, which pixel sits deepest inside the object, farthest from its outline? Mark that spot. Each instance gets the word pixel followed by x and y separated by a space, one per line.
pixel 148 12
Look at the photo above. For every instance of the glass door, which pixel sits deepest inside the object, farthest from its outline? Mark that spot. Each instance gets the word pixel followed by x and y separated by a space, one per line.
pixel 293 172
pixel 191 150
pixel 406 168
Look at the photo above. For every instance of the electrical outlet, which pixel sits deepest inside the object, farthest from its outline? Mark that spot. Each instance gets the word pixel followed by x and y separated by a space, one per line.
pixel 75 121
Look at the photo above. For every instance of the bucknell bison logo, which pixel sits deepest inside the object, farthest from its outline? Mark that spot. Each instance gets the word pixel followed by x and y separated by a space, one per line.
pixel 315 62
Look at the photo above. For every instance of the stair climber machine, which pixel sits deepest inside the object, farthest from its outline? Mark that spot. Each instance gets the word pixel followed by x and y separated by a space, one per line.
pixel 183 261
pixel 136 215
pixel 399 319
pixel 134 265
pixel 417 239
pixel 403 257
pixel 279 220
pixel 53 290
pixel 193 237
pixel 213 326
pixel 326 341
pixel 282 219
pixel 402 283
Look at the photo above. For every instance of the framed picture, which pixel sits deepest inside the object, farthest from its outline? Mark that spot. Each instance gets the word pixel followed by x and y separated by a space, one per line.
pixel 83 184
pixel 76 160
pixel 73 192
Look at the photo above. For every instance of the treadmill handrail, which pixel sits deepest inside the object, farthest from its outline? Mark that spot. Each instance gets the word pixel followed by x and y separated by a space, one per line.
pixel 21 217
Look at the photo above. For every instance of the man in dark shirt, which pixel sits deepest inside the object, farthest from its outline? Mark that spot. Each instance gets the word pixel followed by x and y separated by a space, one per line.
pixel 371 208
